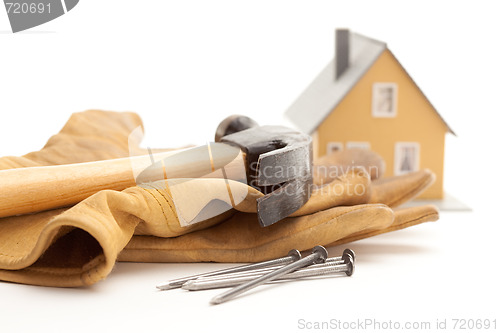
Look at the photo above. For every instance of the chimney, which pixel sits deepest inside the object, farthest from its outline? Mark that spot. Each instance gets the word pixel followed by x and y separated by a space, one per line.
pixel 341 51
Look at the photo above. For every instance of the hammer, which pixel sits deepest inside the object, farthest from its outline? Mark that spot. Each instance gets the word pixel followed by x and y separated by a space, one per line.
pixel 277 161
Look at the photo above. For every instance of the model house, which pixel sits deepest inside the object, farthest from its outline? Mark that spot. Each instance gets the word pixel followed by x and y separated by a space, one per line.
pixel 364 98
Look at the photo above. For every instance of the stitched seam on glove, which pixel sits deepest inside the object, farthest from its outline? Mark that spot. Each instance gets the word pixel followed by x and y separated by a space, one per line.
pixel 158 202
pixel 383 231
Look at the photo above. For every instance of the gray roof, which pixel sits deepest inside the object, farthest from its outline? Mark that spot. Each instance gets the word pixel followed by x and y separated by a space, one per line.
pixel 324 93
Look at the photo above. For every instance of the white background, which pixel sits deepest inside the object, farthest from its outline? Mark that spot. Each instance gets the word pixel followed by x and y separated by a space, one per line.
pixel 184 66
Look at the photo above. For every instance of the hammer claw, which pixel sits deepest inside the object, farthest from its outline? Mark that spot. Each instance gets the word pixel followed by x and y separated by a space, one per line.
pixel 284 164
pixel 279 204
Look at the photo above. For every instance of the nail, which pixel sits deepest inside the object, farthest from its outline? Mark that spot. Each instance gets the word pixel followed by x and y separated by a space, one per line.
pixel 346 267
pixel 318 255
pixel 345 256
pixel 292 256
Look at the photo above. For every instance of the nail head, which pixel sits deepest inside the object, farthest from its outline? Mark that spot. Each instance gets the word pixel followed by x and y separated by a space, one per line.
pixel 295 254
pixel 323 254
pixel 349 253
pixel 350 266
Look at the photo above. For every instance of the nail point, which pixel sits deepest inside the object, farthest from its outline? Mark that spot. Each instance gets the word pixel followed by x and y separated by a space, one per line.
pixel 168 286
pixel 217 300
pixel 188 285
pixel 164 286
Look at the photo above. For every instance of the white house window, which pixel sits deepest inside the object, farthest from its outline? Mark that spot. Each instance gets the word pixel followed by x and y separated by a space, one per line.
pixel 358 145
pixel 384 99
pixel 406 157
pixel 332 147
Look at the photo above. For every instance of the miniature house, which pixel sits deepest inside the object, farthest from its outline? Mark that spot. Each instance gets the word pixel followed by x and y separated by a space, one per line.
pixel 364 98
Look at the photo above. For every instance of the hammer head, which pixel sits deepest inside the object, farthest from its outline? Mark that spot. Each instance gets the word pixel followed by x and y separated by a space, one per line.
pixel 279 163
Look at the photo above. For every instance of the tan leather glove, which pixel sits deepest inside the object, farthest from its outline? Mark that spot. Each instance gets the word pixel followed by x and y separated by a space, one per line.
pixel 79 245
pixel 345 219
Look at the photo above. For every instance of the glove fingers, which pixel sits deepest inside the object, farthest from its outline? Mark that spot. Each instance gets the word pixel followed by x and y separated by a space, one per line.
pixel 394 191
pixel 352 188
pixel 328 167
pixel 403 218
pixel 407 217
pixel 241 239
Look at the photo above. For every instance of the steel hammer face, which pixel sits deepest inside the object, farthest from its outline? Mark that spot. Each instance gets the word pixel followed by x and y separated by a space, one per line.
pixel 279 164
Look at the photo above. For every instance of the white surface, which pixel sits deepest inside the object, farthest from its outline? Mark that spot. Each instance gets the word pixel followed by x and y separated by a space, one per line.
pixel 183 66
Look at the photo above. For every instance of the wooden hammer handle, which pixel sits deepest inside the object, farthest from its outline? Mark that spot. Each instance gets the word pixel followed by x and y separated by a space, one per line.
pixel 34 189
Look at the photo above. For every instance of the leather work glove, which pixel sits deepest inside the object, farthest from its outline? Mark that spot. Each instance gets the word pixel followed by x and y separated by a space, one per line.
pixel 79 245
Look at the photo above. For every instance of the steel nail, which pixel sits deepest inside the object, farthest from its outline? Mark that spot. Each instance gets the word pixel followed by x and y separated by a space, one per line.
pixel 346 267
pixel 292 256
pixel 342 259
pixel 318 255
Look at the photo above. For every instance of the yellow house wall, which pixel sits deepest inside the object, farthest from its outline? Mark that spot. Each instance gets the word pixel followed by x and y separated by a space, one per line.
pixel 415 121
